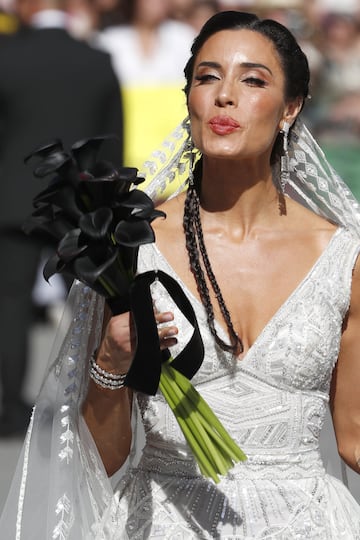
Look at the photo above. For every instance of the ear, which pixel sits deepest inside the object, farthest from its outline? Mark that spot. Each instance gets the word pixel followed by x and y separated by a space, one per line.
pixel 291 111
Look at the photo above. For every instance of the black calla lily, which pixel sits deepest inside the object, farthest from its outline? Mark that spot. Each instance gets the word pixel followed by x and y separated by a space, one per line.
pixel 96 225
pixel 46 149
pixel 71 246
pixel 54 265
pixel 85 151
pixel 61 196
pixel 94 213
pixel 134 233
pixel 54 163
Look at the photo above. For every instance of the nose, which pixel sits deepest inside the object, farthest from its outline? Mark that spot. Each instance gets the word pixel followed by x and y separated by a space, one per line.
pixel 226 95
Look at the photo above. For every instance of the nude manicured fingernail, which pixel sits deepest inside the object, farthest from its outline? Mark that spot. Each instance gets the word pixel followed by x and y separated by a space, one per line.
pixel 167 317
pixel 171 332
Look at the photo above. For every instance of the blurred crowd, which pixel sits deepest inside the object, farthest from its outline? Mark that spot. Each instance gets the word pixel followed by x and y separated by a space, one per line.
pixel 148 43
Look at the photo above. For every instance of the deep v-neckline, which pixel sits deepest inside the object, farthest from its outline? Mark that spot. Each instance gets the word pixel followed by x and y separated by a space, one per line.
pixel 276 314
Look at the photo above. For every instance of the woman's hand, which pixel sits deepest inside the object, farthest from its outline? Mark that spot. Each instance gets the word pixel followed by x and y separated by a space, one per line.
pixel 167 332
pixel 118 345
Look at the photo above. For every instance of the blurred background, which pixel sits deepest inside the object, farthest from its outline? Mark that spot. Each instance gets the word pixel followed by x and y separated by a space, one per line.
pixel 148 43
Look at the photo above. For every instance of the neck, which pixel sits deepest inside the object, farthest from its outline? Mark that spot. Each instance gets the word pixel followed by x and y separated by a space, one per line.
pixel 238 198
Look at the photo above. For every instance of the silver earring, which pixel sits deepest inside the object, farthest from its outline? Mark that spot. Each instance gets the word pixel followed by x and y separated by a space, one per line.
pixel 285 168
pixel 191 162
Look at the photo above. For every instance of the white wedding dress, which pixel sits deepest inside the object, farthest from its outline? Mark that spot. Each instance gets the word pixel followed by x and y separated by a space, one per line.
pixel 272 402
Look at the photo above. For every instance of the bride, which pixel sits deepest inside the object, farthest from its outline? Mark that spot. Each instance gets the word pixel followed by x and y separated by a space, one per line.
pixel 265 244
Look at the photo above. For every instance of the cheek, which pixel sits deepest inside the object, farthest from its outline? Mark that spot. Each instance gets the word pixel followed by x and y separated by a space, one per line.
pixel 263 107
pixel 196 111
pixel 195 104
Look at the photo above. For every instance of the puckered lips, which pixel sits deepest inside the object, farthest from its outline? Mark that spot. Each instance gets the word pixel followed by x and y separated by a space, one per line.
pixel 223 125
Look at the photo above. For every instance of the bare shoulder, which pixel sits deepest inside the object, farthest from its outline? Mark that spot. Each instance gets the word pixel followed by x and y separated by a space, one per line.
pixel 310 223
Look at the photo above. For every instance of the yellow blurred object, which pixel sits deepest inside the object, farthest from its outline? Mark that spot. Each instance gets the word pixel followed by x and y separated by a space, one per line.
pixel 8 23
pixel 150 114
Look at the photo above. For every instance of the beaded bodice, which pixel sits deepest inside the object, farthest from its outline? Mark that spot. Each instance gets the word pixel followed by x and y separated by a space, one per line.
pixel 285 375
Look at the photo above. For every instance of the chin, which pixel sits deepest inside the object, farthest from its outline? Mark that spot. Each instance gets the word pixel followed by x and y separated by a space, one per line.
pixel 222 153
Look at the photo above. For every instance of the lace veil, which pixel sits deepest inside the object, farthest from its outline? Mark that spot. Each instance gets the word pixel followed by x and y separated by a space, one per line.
pixel 60 490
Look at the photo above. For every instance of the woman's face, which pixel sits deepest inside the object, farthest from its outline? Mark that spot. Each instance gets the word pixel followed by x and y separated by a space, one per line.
pixel 236 100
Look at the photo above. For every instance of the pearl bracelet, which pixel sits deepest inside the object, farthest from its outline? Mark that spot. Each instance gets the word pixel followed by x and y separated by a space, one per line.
pixel 103 378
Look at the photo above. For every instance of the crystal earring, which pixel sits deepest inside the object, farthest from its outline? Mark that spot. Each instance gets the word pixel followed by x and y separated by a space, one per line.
pixel 191 162
pixel 285 165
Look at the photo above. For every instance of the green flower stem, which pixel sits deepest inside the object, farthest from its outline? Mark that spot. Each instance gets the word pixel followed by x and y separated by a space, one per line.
pixel 111 292
pixel 200 452
pixel 206 412
pixel 205 466
pixel 120 264
pixel 199 429
pixel 196 436
pixel 213 448
pixel 86 200
pixel 223 447
pixel 182 415
pixel 127 272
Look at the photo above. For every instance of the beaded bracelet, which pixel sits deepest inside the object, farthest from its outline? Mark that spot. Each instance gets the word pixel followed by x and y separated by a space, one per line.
pixel 104 378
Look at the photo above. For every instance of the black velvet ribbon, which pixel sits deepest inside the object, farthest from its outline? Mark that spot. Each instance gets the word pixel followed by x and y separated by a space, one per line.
pixel 119 304
pixel 145 370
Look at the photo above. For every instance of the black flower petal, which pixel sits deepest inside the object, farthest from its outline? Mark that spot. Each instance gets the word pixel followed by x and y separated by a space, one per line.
pixel 105 278
pixel 136 199
pixel 61 196
pixel 95 225
pixel 147 213
pixel 46 149
pixel 85 151
pixel 71 245
pixel 54 265
pixel 48 223
pixel 129 175
pixel 100 191
pixel 133 233
pixel 53 163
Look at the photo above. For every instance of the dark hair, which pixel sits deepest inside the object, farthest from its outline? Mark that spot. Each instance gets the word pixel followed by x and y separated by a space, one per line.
pixel 296 71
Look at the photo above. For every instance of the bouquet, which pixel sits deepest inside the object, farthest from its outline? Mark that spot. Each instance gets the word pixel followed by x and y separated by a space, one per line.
pixel 98 219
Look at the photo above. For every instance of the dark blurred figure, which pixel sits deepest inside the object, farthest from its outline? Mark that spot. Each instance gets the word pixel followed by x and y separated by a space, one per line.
pixel 51 86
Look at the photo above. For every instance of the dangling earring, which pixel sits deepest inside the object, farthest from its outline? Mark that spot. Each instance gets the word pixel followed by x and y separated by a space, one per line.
pixel 285 165
pixel 191 162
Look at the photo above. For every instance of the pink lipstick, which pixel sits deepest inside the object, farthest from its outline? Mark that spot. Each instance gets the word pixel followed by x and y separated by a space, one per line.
pixel 223 125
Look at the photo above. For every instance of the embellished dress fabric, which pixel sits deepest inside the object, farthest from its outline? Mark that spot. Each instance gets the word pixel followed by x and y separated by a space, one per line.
pixel 273 404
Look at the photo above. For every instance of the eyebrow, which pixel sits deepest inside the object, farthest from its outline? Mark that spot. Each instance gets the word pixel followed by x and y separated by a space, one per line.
pixel 242 64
